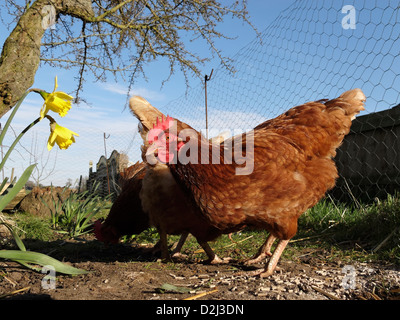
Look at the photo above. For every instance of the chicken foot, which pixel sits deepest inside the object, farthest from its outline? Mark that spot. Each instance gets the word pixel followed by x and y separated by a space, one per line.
pixel 263 252
pixel 212 257
pixel 165 255
pixel 162 245
pixel 176 252
pixel 270 268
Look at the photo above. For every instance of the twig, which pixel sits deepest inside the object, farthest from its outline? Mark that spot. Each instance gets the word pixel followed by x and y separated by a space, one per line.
pixel 10 281
pixel 201 295
pixel 227 246
pixel 374 295
pixel 330 296
pixel 237 242
pixel 14 292
pixel 311 237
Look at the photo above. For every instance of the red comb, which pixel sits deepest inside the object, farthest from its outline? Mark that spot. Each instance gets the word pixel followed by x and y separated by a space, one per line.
pixel 164 124
pixel 159 127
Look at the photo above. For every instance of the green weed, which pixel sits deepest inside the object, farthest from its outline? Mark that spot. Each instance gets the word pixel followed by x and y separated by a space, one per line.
pixel 74 215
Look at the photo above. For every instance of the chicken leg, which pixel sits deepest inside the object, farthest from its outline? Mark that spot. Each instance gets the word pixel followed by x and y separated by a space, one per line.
pixel 176 252
pixel 263 252
pixel 270 268
pixel 165 256
pixel 212 257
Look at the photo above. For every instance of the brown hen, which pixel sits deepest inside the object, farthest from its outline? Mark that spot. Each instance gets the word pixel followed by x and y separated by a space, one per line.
pixel 274 174
pixel 126 216
pixel 170 210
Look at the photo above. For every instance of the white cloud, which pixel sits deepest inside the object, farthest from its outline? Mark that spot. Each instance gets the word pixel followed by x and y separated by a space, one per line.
pixel 140 91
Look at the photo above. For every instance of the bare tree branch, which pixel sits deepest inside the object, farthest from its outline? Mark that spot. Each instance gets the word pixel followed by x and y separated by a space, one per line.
pixel 110 37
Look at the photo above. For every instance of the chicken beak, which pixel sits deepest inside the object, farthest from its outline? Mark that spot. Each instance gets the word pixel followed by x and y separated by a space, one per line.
pixel 151 150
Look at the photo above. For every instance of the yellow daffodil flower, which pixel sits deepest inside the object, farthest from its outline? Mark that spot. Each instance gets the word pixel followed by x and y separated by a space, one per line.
pixel 60 135
pixel 57 101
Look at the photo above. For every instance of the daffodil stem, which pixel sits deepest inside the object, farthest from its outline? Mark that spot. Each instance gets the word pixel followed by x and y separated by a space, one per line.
pixel 14 111
pixel 51 119
pixel 10 149
pixel 9 120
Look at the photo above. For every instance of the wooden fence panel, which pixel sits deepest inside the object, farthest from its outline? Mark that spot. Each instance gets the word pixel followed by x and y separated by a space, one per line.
pixel 107 175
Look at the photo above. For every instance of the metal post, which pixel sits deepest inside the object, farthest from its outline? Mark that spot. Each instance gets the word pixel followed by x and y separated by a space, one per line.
pixel 105 152
pixel 206 79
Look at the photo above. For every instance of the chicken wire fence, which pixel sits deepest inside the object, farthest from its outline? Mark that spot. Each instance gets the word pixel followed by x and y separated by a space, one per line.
pixel 312 50
pixel 67 167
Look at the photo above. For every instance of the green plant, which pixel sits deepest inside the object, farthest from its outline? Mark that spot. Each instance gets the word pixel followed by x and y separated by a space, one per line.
pixel 373 228
pixel 73 216
pixel 22 256
pixel 55 208
pixel 149 235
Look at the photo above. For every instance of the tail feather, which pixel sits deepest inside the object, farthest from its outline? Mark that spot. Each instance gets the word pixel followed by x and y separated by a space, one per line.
pixel 352 102
pixel 130 173
pixel 145 113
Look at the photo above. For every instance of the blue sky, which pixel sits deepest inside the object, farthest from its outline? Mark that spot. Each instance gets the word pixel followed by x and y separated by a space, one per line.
pixel 305 55
pixel 107 112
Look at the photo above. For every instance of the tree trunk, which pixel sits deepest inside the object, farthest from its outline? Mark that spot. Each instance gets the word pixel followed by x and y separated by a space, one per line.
pixel 20 56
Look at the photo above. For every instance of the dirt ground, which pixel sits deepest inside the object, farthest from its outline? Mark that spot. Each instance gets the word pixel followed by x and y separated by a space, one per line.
pixel 128 272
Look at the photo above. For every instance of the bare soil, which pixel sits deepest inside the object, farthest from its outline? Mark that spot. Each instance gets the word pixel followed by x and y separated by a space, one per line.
pixel 129 272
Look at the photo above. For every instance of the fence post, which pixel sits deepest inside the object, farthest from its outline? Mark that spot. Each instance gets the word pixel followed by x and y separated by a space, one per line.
pixel 105 152
pixel 206 79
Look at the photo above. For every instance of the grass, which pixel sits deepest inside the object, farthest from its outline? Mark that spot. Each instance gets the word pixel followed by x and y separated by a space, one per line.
pixel 363 232
pixel 367 225
pixel 32 227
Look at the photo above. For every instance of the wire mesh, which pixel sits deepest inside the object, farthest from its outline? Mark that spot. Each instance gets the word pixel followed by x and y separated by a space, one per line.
pixel 65 167
pixel 309 52
pixel 312 51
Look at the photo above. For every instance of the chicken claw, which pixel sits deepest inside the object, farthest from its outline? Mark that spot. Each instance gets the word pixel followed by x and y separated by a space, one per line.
pixel 179 255
pixel 218 260
pixel 263 252
pixel 212 257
